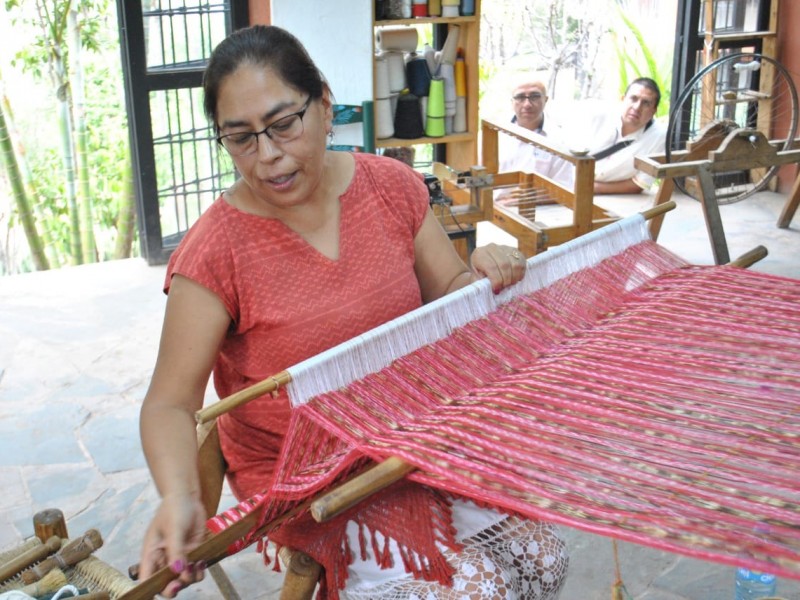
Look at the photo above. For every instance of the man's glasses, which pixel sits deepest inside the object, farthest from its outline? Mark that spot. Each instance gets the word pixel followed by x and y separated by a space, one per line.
pixel 534 97
pixel 283 130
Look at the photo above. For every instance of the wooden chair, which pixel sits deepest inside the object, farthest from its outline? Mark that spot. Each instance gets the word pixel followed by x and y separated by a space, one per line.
pixel 302 571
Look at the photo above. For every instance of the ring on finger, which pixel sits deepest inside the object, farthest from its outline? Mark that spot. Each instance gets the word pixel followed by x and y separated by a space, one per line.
pixel 516 255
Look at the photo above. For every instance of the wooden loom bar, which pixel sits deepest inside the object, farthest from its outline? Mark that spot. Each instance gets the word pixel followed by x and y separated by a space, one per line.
pixel 268 385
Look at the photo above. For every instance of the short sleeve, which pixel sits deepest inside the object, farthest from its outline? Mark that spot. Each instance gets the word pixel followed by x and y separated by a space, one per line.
pixel 204 256
pixel 402 189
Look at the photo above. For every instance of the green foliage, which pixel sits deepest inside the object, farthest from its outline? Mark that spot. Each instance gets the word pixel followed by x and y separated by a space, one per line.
pixel 106 122
pixel 641 62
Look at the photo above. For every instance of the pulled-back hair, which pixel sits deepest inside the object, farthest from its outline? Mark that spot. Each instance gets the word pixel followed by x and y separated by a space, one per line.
pixel 261 45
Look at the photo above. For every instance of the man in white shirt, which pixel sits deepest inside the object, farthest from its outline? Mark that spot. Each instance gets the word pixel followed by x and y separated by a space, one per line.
pixel 528 101
pixel 614 139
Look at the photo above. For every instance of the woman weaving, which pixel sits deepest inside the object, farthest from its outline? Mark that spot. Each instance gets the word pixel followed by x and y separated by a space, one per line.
pixel 309 248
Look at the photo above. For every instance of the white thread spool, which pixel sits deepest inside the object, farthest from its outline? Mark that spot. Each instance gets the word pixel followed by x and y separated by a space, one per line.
pixel 382 88
pixel 460 120
pixel 397 70
pixel 450 48
pixel 430 57
pixel 384 117
pixel 449 11
pixel 403 39
pixel 447 72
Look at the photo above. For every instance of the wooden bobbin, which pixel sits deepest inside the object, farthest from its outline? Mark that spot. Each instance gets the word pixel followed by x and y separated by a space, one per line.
pixel 302 576
pixel 49 522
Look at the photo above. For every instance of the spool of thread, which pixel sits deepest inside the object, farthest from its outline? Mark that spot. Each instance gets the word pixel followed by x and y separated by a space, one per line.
pixel 450 8
pixel 419 77
pixel 435 8
pixel 382 88
pixel 419 8
pixel 384 122
pixel 461 76
pixel 434 121
pixel 408 119
pixel 402 39
pixel 384 118
pixel 423 108
pixel 447 72
pixel 448 125
pixel 398 9
pixel 397 70
pixel 450 47
pixel 430 57
pixel 460 120
pixel 467 8
pixel 380 10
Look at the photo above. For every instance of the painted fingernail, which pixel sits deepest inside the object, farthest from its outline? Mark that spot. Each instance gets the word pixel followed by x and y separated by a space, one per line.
pixel 178 566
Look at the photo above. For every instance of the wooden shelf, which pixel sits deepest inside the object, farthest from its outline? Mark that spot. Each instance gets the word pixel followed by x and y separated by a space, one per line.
pixel 427 21
pixel 447 139
pixel 739 36
pixel 461 148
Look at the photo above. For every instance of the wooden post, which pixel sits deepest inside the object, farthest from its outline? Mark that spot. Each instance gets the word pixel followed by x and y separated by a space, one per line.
pixel 48 523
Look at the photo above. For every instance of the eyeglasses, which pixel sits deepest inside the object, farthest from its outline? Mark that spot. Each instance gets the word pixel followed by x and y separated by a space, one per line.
pixel 285 129
pixel 534 97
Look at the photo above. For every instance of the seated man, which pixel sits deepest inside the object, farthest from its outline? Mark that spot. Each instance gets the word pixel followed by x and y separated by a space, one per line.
pixel 614 139
pixel 528 101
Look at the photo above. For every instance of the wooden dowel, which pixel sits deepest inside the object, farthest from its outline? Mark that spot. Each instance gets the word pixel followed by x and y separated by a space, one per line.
pixel 92 596
pixel 268 385
pixel 50 522
pixel 750 257
pixel 29 557
pixel 70 554
pixel 302 576
pixel 350 493
pixel 660 209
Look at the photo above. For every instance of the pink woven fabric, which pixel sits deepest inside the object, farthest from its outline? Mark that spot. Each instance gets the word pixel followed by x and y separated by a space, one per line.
pixel 644 399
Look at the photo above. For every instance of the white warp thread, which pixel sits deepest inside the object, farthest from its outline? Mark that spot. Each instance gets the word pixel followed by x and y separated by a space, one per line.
pixel 377 348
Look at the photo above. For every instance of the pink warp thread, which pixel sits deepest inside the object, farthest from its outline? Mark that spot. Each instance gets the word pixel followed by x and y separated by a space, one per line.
pixel 644 399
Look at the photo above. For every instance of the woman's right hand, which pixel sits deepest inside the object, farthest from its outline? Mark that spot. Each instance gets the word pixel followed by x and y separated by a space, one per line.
pixel 178 527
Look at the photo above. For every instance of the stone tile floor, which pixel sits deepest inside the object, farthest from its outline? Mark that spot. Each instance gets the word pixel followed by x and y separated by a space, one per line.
pixel 77 347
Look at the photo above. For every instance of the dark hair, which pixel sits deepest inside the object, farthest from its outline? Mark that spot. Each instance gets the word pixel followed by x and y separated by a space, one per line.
pixel 261 45
pixel 649 84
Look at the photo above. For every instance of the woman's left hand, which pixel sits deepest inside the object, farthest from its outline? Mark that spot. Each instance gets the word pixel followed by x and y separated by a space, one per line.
pixel 502 265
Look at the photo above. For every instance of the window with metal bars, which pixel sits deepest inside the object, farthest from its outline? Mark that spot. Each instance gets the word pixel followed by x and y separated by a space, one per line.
pixel 178 168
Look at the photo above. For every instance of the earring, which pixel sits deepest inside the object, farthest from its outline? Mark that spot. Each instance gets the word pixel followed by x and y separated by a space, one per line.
pixel 330 137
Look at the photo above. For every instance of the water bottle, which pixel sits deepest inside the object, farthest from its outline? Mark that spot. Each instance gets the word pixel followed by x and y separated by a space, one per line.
pixel 754 584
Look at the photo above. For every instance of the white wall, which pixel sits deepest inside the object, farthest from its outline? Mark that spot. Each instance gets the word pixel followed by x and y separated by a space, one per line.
pixel 338 36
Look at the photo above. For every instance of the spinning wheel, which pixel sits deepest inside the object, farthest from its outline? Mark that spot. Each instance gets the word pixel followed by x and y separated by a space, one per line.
pixel 739 91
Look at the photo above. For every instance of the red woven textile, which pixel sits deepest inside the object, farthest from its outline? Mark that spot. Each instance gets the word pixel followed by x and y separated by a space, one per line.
pixel 641 399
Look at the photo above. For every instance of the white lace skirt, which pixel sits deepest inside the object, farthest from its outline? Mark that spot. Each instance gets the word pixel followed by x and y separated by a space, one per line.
pixel 503 558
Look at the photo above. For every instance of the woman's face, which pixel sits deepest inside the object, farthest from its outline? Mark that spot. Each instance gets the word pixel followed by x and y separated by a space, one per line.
pixel 281 173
